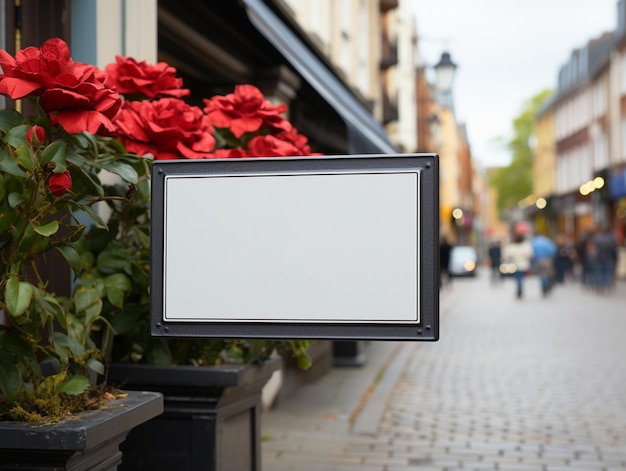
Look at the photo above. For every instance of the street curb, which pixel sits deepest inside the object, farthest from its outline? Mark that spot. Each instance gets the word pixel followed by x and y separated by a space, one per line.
pixel 367 416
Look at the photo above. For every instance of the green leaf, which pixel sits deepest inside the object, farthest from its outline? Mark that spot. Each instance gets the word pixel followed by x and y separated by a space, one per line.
pixel 18 295
pixel 124 170
pixel 10 119
pixel 113 259
pixel 83 298
pixel 3 187
pixel 7 219
pixel 62 341
pixel 47 229
pixel 80 140
pixel 87 302
pixel 10 380
pixel 15 199
pixel 51 304
pixel 16 136
pixel 92 141
pixel 95 365
pixel 75 385
pixel 83 178
pixel 72 257
pixel 91 212
pixel 27 238
pixel 14 343
pixel 9 165
pixel 117 146
pixel 115 296
pixel 118 280
pixel 25 157
pixel 56 152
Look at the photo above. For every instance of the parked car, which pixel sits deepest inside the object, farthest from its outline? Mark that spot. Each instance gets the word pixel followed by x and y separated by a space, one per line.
pixel 463 261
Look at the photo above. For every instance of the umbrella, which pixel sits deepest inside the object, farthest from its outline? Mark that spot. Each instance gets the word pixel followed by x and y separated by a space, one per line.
pixel 543 247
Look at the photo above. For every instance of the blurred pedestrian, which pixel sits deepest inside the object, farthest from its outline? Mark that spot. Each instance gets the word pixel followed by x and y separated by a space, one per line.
pixel 444 261
pixel 543 261
pixel 605 259
pixel 495 259
pixel 564 259
pixel 520 253
pixel 586 251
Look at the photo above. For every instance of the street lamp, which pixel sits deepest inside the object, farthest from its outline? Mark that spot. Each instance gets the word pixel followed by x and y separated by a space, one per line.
pixel 445 70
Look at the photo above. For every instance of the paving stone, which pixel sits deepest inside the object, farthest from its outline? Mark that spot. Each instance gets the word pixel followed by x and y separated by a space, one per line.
pixel 537 385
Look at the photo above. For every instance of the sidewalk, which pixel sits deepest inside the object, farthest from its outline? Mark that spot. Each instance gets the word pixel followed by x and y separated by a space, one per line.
pixel 342 410
pixel 475 400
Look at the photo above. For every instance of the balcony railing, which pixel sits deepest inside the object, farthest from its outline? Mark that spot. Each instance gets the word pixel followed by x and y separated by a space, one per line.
pixel 390 109
pixel 386 5
pixel 389 52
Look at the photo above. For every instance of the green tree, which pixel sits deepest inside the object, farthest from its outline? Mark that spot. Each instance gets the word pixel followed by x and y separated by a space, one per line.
pixel 514 181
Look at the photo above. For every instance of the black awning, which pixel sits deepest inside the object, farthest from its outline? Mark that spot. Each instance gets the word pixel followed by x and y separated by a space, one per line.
pixel 365 134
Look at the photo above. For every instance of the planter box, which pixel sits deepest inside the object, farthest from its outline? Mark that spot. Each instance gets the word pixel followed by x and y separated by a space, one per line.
pixel 90 441
pixel 211 419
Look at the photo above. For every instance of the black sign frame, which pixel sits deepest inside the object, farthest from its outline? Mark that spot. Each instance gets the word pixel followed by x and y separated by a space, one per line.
pixel 424 328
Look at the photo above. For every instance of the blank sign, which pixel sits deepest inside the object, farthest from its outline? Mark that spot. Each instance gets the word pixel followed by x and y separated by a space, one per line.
pixel 315 248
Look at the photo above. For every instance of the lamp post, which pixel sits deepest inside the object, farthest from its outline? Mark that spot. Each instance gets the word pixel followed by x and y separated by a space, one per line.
pixel 442 131
pixel 445 70
pixel 431 97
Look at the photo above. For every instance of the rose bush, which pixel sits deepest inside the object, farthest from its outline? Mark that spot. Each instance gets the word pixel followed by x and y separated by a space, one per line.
pixel 86 152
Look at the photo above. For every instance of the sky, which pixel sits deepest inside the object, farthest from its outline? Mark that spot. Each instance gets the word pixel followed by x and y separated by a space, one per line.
pixel 506 51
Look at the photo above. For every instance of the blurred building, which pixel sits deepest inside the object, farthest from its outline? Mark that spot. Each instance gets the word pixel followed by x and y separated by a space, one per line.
pixel 494 225
pixel 216 45
pixel 349 71
pixel 579 155
pixel 440 131
pixel 349 34
pixel 545 207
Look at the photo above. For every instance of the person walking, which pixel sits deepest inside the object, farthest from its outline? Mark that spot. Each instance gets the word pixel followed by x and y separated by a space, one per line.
pixel 564 259
pixel 606 259
pixel 495 258
pixel 543 262
pixel 520 253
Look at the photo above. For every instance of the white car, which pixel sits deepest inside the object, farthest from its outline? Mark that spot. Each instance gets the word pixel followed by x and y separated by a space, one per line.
pixel 463 261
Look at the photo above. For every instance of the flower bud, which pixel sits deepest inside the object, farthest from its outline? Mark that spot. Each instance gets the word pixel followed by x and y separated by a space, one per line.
pixel 36 135
pixel 60 183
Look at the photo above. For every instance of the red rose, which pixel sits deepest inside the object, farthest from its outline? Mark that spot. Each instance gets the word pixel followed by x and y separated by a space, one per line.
pixel 60 183
pixel 271 146
pixel 72 93
pixel 130 77
pixel 167 128
pixel 245 110
pixel 236 153
pixel 36 135
pixel 300 142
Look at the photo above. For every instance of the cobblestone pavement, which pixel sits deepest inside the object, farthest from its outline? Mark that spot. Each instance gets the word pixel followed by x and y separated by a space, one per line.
pixel 532 384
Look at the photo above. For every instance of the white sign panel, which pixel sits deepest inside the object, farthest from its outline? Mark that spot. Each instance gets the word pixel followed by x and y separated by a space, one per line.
pixel 326 248
pixel 331 247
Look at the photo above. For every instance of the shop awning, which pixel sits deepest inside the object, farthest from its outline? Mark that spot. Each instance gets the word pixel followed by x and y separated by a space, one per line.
pixel 365 134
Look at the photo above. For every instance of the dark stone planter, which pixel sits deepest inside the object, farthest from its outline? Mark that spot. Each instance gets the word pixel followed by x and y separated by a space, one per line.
pixel 90 441
pixel 211 419
pixel 349 353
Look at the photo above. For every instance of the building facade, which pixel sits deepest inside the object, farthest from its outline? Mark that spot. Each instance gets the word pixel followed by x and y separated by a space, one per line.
pixel 579 158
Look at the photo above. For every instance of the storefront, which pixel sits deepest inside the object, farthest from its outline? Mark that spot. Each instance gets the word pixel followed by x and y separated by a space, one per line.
pixel 617 193
pixel 214 46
